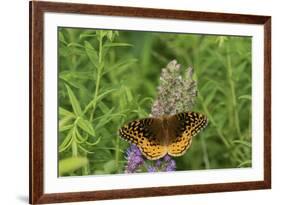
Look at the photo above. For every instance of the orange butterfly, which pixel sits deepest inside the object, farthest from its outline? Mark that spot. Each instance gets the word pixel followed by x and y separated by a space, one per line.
pixel 172 135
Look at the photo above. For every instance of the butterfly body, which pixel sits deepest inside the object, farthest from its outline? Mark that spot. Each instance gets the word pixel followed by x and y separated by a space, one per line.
pixel 172 135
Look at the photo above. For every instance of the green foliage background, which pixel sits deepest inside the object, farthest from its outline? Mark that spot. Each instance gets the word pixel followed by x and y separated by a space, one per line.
pixel 107 78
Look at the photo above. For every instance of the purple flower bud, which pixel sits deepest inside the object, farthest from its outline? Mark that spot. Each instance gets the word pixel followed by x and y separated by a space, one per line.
pixel 158 163
pixel 134 159
pixel 138 159
pixel 171 166
pixel 151 169
pixel 167 158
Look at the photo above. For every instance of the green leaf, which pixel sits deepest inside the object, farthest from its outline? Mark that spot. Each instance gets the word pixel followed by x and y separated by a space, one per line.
pixel 128 94
pixel 141 113
pixel 66 142
pixel 248 97
pixel 242 142
pixel 85 35
pixel 246 163
pixel 92 54
pixel 121 66
pixel 117 45
pixel 210 96
pixel 110 35
pixel 96 100
pixel 93 143
pixel 79 138
pixel 110 166
pixel 69 75
pixel 65 127
pixel 99 172
pixel 70 81
pixel 221 40
pixel 102 95
pixel 75 45
pixel 146 99
pixel 103 120
pixel 71 164
pixel 65 121
pixel 86 126
pixel 101 34
pixel 63 51
pixel 103 107
pixel 74 102
pixel 85 150
pixel 61 38
pixel 64 112
pixel 107 118
pixel 212 84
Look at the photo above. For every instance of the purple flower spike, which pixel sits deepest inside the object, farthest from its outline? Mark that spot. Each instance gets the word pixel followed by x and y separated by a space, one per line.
pixel 151 169
pixel 171 166
pixel 136 162
pixel 134 159
pixel 158 163
pixel 167 158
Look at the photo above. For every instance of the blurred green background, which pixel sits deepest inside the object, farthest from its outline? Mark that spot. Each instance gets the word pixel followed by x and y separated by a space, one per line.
pixel 107 78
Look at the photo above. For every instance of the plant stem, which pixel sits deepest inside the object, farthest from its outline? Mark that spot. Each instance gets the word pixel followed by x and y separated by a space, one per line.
pixel 205 152
pixel 95 96
pixel 73 57
pixel 202 139
pixel 206 110
pixel 85 169
pixel 117 152
pixel 74 144
pixel 233 94
pixel 100 68
pixel 117 144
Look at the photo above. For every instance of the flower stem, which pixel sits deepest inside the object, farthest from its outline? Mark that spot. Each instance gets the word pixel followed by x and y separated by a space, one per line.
pixel 206 110
pixel 117 152
pixel 99 69
pixel 233 95
pixel 205 152
pixel 74 144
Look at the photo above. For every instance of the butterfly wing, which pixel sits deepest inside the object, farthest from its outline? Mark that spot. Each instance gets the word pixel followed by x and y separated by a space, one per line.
pixel 146 134
pixel 182 127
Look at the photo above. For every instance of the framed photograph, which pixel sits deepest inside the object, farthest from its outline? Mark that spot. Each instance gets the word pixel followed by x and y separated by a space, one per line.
pixel 135 102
